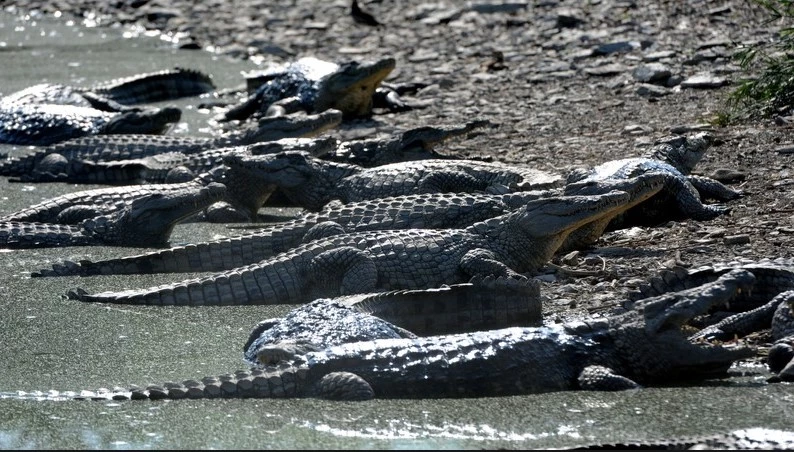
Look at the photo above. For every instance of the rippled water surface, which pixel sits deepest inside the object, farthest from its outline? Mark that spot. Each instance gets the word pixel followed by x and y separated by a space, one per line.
pixel 52 343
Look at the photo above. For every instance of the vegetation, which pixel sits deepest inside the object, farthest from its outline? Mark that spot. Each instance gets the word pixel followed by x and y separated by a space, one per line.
pixel 771 91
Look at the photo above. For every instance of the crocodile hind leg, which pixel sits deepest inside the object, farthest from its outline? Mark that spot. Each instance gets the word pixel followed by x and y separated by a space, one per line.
pixel 342 271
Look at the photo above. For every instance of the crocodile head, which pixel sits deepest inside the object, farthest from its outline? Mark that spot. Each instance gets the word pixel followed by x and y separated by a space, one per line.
pixel 650 343
pixel 350 88
pixel 148 121
pixel 639 189
pixel 279 127
pixel 683 153
pixel 149 220
pixel 559 215
pixel 288 169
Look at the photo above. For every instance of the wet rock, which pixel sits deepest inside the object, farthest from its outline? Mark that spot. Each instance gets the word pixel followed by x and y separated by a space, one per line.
pixel 704 80
pixel 648 90
pixel 655 73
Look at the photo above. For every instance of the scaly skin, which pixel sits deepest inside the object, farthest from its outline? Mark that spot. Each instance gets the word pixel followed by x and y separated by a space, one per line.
pixel 89 158
pixel 432 211
pixel 642 346
pixel 311 182
pixel 155 86
pixel 747 439
pixel 145 222
pixel 339 264
pixel 777 276
pixel 314 86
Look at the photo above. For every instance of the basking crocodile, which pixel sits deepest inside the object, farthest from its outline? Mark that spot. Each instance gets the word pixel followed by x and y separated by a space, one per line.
pixel 46 113
pixel 243 197
pixel 178 167
pixel 114 95
pixel 73 208
pixel 93 158
pixel 311 182
pixel 744 439
pixel 340 264
pixel 642 346
pixel 146 222
pixel 483 303
pixel 777 275
pixel 313 86
pixel 434 211
pixel 413 144
pixel 768 305
pixel 44 124
pixel 674 157
pixel 113 160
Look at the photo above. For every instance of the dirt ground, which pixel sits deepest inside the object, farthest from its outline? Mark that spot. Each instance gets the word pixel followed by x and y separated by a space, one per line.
pixel 563 83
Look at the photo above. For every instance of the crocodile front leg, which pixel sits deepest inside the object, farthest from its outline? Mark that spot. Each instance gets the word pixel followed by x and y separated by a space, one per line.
pixel 710 188
pixel 687 199
pixel 346 270
pixel 481 262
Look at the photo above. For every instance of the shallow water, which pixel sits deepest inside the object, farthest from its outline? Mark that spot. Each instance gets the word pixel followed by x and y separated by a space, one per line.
pixel 52 343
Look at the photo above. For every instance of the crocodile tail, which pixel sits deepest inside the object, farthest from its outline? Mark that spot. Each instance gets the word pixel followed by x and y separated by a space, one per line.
pixel 157 86
pixel 271 282
pixel 214 256
pixel 271 382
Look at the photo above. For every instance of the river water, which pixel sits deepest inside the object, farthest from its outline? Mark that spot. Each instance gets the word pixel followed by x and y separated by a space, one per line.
pixel 52 343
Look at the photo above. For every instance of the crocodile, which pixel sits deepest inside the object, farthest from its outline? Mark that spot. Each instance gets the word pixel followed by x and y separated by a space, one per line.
pixel 433 210
pixel 115 95
pixel 243 197
pixel 45 124
pixel 768 306
pixel 643 346
pixel 73 208
pixel 146 222
pixel 311 182
pixel 413 144
pixel 313 86
pixel 777 276
pixel 481 304
pixel 340 264
pixel 93 158
pixel 177 167
pixel 744 439
pixel 49 113
pixel 675 157
pixel 117 159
